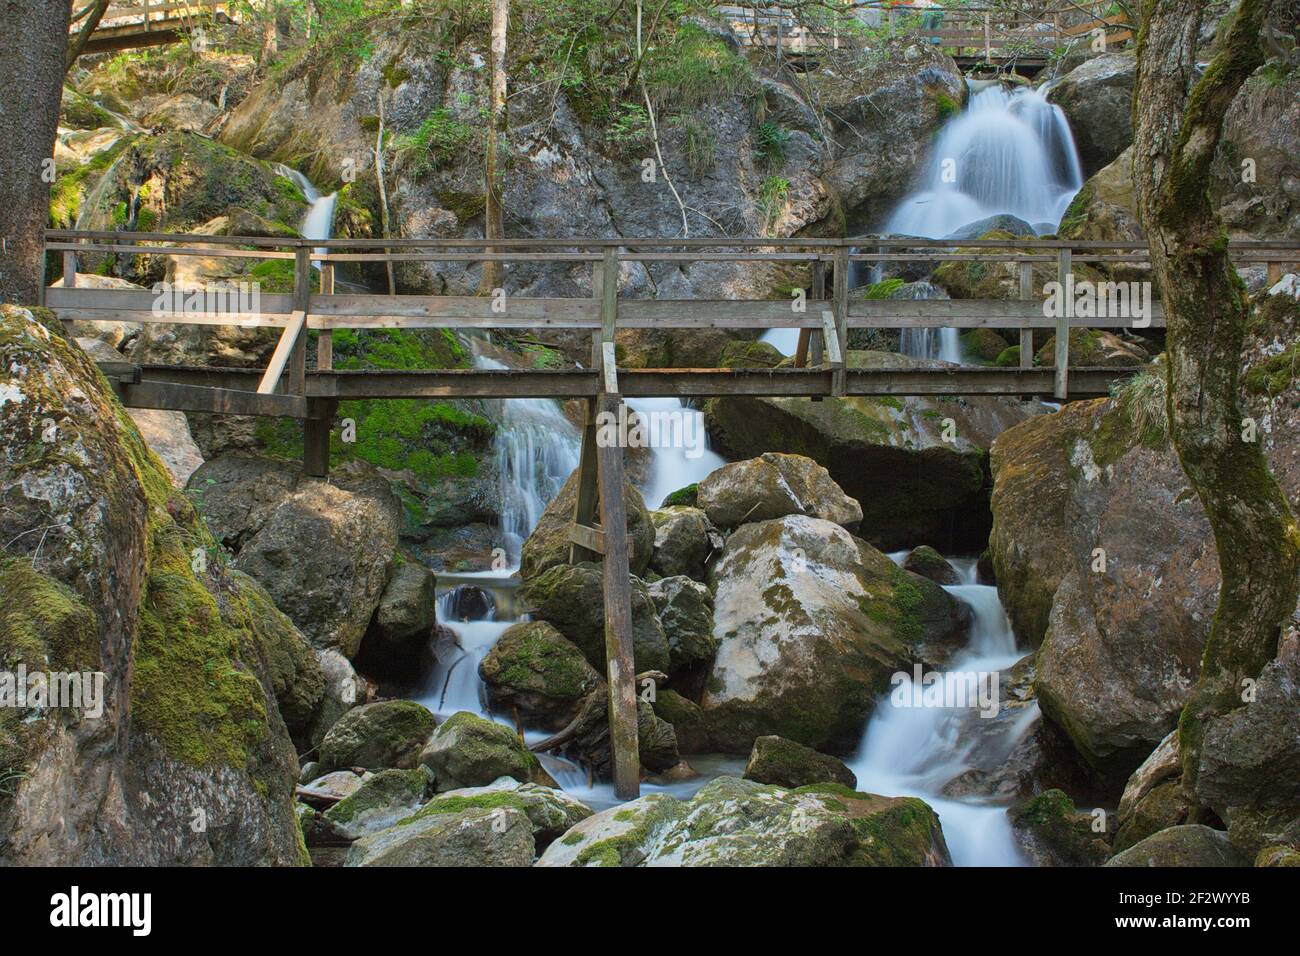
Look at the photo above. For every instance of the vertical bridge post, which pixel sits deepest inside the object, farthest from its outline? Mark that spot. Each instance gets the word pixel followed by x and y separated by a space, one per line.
pixel 1064 266
pixel 1027 333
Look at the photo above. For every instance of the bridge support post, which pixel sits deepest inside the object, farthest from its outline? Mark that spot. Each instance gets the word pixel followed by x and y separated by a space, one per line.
pixel 617 580
pixel 584 510
pixel 316 437
pixel 1064 267
pixel 1027 334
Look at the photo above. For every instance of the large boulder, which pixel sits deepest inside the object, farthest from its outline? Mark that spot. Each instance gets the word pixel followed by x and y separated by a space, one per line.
pixel 1153 798
pixel 389 734
pixel 1097 98
pixel 572 597
pixel 1051 832
pixel 688 722
pixel 811 624
pixel 473 837
pixel 685 610
pixel 684 540
pixel 772 486
pixel 105 572
pixel 1188 845
pixel 867 442
pixel 536 669
pixel 323 549
pixel 1105 209
pixel 470 751
pixel 550 812
pixel 549 543
pixel 396 643
pixel 788 764
pixel 380 802
pixel 733 822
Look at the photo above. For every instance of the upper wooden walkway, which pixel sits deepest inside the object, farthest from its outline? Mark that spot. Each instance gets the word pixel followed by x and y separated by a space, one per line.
pixel 144 23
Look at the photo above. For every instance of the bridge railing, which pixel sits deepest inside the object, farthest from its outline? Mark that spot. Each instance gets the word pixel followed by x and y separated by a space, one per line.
pixel 824 310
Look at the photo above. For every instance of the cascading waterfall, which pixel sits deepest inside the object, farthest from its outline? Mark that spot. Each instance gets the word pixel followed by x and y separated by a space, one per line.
pixel 928 343
pixel 673 468
pixel 916 751
pixel 1009 152
pixel 318 224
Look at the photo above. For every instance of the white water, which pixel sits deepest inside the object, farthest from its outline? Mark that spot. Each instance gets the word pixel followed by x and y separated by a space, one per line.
pixel 1009 151
pixel 785 341
pixel 318 224
pixel 928 343
pixel 676 467
pixel 915 751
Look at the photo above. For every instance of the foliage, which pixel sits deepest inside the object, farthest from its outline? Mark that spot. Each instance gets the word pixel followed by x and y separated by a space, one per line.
pixel 770 142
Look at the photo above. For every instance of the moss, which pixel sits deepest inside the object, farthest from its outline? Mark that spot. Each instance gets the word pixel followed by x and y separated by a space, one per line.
pixel 1274 375
pixel 684 496
pixel 1008 357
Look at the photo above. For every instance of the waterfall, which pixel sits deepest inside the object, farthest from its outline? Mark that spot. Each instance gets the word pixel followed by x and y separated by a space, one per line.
pixel 916 751
pixel 1009 152
pixel 537 449
pixel 318 224
pixel 927 343
pixel 672 468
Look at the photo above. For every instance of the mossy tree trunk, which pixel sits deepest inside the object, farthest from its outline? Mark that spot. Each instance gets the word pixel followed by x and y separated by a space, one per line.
pixel 1177 128
pixel 493 220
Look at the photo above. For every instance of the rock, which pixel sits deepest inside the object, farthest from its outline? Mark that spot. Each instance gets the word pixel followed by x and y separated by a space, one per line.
pixel 548 545
pixel 116 335
pixel 550 812
pixel 683 541
pixel 983 346
pixel 1051 832
pixel 389 734
pixel 536 669
pixel 685 610
pixel 867 442
pixel 811 624
pixel 324 554
pixel 929 563
pixel 572 598
pixel 469 751
pixel 688 721
pixel 1003 223
pixel 656 739
pixel 773 486
pixel 1105 209
pixel 1253 829
pixel 335 785
pixel 168 436
pixel 1097 98
pixel 184 112
pixel 380 802
pixel 98 575
pixel 1152 798
pixel 1278 856
pixel 475 837
pixel 733 822
pixel 788 764
pixel 1250 757
pixel 396 644
pixel 750 355
pixel 1095 348
pixel 343 691
pixel 1189 845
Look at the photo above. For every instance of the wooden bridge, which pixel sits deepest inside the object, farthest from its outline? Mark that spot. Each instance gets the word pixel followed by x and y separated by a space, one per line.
pixel 145 23
pixel 824 312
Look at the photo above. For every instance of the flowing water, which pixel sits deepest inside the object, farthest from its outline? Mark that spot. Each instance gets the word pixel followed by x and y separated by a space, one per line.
pixel 915 751
pixel 318 224
pixel 681 464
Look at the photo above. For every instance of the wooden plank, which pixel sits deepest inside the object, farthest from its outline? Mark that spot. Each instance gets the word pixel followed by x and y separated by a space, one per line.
pixel 283 351
pixel 1064 270
pixel 1026 333
pixel 69 270
pixel 302 280
pixel 586 538
pixel 818 291
pixel 325 338
pixel 193 398
pixel 840 312
pixel 617 581
pixel 143 302
pixel 609 320
pixel 316 437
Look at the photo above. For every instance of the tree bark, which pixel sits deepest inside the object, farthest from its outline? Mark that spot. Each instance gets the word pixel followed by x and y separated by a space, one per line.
pixel 31 87
pixel 493 220
pixel 1177 128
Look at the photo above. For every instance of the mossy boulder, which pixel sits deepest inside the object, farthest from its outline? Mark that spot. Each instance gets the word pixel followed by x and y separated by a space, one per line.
pixel 685 610
pixel 689 724
pixel 121 575
pixel 473 837
pixel 684 540
pixel 982 346
pixel 550 812
pixel 750 355
pixel 572 598
pixel 732 822
pixel 1052 833
pixel 929 563
pixel 537 670
pixel 1153 798
pixel 470 751
pixel 788 764
pixel 1097 98
pixel 387 798
pixel 397 640
pixel 1191 845
pixel 380 736
pixel 1094 348
pixel 1278 856
pixel 774 485
pixel 811 624
pixel 549 543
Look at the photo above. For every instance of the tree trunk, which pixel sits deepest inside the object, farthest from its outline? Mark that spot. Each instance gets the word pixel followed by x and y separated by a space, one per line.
pixel 1176 133
pixel 31 86
pixel 493 224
